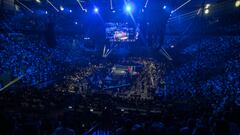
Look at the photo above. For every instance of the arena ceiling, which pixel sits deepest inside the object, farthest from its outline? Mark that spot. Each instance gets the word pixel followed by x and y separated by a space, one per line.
pixel 109 5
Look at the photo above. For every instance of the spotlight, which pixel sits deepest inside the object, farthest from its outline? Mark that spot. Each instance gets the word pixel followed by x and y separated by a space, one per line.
pixel 128 8
pixel 207 5
pixel 38 1
pixel 76 23
pixel 237 3
pixel 46 12
pixel 146 4
pixel 70 11
pixel 61 8
pixel 114 11
pixel 96 10
pixel 206 11
pixel 52 5
pixel 164 7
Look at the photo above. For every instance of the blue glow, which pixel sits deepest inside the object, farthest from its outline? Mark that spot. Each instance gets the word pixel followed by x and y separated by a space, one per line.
pixel 70 11
pixel 61 8
pixel 128 8
pixel 46 12
pixel 164 7
pixel 96 10
pixel 76 23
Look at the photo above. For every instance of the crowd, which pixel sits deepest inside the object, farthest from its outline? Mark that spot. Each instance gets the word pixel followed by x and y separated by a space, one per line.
pixel 26 59
pixel 29 57
pixel 210 67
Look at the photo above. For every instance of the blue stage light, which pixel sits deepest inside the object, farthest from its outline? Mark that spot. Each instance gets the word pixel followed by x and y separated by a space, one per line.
pixel 70 11
pixel 46 12
pixel 96 10
pixel 61 8
pixel 128 8
pixel 164 7
pixel 76 23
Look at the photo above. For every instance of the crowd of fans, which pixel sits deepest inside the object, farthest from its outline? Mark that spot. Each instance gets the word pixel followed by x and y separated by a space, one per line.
pixel 32 59
pixel 211 66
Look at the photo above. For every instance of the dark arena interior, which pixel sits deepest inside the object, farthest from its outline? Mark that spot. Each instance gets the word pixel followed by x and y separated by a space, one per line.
pixel 120 67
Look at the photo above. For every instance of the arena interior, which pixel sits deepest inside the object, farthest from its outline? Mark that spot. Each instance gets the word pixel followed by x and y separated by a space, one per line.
pixel 119 67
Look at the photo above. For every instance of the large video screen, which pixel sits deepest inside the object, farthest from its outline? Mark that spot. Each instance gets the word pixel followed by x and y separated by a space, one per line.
pixel 121 32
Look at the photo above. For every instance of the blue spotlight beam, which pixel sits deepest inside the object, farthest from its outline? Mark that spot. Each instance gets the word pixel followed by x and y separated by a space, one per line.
pixel 52 5
pixel 111 4
pixel 81 6
pixel 191 13
pixel 181 6
pixel 146 3
pixel 24 6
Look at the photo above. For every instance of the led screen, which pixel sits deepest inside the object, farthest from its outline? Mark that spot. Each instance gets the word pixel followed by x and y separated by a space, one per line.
pixel 121 32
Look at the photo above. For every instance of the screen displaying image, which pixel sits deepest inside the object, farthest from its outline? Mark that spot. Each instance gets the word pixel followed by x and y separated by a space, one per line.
pixel 121 32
